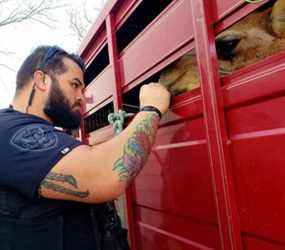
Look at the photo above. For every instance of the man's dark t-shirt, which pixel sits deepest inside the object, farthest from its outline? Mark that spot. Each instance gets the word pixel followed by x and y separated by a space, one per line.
pixel 29 148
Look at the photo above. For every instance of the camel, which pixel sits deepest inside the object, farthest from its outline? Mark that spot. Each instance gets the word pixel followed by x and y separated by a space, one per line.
pixel 255 37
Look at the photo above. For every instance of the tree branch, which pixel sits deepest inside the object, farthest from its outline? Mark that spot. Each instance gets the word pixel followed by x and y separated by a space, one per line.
pixel 28 10
pixel 80 20
pixel 7 67
pixel 6 53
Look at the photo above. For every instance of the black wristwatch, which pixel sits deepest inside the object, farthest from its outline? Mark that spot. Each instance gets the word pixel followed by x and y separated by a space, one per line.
pixel 152 109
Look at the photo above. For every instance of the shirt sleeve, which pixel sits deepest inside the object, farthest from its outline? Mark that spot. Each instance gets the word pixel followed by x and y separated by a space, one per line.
pixel 31 153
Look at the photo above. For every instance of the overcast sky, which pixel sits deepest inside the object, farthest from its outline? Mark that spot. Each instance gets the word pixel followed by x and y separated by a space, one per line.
pixel 21 39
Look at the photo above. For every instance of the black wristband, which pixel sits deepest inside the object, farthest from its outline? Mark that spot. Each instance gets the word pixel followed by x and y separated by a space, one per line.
pixel 153 109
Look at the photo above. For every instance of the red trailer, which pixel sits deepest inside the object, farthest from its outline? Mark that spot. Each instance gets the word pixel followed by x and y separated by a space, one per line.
pixel 215 177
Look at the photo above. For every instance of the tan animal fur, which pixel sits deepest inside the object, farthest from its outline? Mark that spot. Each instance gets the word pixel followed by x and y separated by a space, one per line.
pixel 257 36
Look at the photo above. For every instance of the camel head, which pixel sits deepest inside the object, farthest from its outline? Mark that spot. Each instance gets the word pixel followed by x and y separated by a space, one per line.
pixel 255 37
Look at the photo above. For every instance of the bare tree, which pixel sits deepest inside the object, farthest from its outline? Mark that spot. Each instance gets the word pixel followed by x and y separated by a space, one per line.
pixel 16 11
pixel 81 18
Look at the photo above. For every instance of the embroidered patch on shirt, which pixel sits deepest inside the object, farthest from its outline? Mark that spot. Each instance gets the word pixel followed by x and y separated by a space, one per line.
pixel 35 137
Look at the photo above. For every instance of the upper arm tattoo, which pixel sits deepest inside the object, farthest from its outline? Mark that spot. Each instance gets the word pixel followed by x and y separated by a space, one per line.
pixel 51 182
pixel 137 149
pixel 52 176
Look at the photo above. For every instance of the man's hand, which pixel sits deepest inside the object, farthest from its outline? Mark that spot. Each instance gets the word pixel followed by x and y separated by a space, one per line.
pixel 155 95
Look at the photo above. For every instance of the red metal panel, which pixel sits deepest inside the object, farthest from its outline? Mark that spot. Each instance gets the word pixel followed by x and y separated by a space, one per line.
pixel 117 93
pixel 174 228
pixel 120 9
pixel 122 13
pixel 150 236
pixel 99 106
pixel 254 98
pixel 163 213
pixel 162 187
pixel 238 14
pixel 258 130
pixel 254 82
pixel 258 244
pixel 215 126
pixel 156 41
pixel 187 105
pixel 95 46
pixel 100 89
pixel 222 8
pixel 173 195
pixel 88 40
pixel 113 56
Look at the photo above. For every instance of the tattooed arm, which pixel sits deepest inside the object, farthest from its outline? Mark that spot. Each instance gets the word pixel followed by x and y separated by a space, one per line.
pixel 136 148
pixel 100 173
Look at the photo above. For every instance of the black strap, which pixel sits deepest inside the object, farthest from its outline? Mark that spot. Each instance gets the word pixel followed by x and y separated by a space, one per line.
pixel 152 109
pixel 31 98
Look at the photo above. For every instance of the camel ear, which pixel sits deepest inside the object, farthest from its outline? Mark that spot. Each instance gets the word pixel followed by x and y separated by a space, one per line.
pixel 278 18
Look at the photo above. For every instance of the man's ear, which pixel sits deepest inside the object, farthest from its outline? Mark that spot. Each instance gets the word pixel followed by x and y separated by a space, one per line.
pixel 40 80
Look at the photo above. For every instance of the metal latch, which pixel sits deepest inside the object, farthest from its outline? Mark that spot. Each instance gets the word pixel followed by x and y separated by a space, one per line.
pixel 117 120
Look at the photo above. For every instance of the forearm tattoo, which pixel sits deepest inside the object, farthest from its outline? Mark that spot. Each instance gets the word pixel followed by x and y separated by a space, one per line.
pixel 52 177
pixel 137 149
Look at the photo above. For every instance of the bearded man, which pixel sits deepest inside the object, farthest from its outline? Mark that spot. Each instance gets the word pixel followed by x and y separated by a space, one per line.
pixel 50 182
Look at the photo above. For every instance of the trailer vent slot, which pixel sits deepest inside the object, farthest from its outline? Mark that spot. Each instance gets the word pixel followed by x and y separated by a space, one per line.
pixel 99 119
pixel 100 62
pixel 144 14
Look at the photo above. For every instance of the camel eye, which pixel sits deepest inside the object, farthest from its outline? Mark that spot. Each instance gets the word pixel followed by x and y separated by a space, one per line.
pixel 226 47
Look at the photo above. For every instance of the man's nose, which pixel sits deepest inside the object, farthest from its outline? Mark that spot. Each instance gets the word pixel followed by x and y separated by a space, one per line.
pixel 81 98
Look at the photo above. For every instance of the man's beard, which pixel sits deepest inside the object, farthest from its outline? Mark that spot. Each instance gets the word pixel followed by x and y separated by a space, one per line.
pixel 59 110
